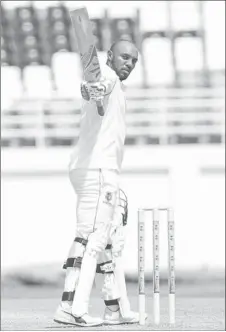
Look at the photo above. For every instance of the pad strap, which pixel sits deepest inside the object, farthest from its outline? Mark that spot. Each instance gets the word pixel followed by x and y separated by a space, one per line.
pixel 111 302
pixel 77 261
pixel 73 262
pixel 84 242
pixel 81 240
pixel 68 296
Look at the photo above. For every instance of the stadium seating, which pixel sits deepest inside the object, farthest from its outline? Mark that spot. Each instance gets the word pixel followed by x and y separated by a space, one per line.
pixel 37 82
pixel 215 41
pixel 154 16
pixel 11 86
pixel 185 15
pixel 67 73
pixel 121 11
pixel 174 94
pixel 158 62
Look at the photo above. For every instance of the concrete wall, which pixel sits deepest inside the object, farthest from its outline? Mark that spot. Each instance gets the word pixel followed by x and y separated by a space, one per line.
pixel 38 204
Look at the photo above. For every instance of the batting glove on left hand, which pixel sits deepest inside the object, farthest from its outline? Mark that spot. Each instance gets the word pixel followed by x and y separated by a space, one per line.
pixel 96 90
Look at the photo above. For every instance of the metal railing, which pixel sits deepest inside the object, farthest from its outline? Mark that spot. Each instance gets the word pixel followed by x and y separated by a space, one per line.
pixel 167 116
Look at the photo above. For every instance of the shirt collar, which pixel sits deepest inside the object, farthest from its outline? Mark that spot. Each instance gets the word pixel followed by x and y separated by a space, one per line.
pixel 123 86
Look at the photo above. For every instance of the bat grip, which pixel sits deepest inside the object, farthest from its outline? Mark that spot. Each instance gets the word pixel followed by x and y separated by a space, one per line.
pixel 100 107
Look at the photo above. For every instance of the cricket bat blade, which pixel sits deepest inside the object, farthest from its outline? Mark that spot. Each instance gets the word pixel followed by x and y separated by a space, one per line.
pixel 87 49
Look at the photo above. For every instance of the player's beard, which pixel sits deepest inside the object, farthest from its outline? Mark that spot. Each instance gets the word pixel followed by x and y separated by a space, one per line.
pixel 123 75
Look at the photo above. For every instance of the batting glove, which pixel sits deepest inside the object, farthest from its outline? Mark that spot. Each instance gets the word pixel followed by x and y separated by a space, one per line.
pixel 96 90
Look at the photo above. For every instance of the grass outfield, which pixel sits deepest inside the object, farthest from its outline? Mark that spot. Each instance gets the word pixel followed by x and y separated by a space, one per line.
pixel 198 307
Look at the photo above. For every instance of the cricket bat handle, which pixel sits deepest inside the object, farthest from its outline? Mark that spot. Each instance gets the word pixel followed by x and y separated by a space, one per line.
pixel 100 107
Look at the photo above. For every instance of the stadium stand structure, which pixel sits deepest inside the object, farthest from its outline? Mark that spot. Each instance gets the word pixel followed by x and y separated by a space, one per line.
pixel 175 94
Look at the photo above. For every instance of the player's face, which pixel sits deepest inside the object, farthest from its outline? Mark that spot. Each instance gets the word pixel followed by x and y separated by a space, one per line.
pixel 123 59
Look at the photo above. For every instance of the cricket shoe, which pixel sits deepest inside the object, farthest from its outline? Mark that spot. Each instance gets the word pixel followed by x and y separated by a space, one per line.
pixel 63 316
pixel 115 317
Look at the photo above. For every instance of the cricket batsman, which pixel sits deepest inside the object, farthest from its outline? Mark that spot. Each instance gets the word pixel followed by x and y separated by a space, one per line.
pixel 94 172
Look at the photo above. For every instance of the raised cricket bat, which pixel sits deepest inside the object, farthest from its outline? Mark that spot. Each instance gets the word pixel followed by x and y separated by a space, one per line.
pixel 86 45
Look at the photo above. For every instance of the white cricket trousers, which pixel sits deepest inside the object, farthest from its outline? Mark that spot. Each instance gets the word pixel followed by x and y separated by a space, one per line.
pixel 96 204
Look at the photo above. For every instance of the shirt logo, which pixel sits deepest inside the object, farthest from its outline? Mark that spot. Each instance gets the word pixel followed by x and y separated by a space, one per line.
pixel 108 196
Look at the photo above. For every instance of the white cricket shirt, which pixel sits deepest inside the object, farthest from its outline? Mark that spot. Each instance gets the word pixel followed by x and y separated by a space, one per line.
pixel 101 139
